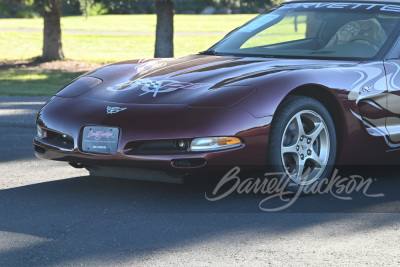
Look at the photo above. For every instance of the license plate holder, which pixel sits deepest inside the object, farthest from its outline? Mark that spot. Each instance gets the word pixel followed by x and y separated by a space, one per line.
pixel 100 139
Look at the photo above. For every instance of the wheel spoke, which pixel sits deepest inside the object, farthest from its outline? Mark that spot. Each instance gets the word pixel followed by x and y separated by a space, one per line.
pixel 299 167
pixel 316 132
pixel 316 159
pixel 299 125
pixel 289 149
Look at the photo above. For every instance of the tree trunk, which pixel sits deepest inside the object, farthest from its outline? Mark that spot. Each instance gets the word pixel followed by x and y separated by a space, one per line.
pixel 165 29
pixel 52 45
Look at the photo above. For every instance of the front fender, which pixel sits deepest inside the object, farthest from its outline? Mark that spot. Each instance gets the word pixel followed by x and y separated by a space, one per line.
pixel 335 88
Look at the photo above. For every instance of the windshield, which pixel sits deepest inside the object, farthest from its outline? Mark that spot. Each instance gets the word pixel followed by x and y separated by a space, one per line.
pixel 315 30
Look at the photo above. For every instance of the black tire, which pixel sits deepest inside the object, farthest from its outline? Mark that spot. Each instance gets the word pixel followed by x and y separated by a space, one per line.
pixel 284 120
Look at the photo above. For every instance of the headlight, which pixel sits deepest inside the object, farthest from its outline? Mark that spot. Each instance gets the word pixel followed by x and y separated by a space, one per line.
pixel 214 143
pixel 78 87
pixel 223 97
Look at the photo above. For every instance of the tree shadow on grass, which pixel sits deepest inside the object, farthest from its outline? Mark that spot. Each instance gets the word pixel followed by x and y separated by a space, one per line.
pixel 37 64
pixel 17 64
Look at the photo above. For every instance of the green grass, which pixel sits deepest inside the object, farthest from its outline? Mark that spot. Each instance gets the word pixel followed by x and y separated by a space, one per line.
pixel 28 83
pixel 139 23
pixel 116 48
pixel 99 48
pixel 20 45
pixel 111 48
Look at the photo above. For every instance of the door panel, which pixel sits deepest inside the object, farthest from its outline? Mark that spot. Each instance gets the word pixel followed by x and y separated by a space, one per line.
pixel 370 95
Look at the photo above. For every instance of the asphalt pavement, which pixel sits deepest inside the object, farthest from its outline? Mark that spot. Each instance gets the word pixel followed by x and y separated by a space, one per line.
pixel 55 215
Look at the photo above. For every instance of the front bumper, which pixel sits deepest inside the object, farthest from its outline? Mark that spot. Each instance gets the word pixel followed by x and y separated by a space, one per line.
pixel 161 122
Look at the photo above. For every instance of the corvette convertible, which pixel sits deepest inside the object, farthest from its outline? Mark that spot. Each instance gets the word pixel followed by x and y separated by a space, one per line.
pixel 304 87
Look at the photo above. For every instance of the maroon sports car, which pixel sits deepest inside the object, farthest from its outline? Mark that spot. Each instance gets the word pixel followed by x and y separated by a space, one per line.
pixel 303 87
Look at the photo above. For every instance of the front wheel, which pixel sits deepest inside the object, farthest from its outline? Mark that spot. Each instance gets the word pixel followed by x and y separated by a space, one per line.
pixel 302 142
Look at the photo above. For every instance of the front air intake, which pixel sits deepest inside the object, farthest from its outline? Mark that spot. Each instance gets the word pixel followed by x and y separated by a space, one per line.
pixel 58 139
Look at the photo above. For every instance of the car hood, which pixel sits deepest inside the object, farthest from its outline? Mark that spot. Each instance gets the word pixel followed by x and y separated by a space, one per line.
pixel 184 80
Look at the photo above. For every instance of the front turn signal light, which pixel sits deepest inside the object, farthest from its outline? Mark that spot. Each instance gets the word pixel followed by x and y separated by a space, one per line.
pixel 227 141
pixel 214 143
